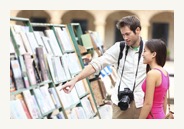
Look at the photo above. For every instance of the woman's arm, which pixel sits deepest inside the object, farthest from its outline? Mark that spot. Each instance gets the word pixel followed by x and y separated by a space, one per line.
pixel 151 79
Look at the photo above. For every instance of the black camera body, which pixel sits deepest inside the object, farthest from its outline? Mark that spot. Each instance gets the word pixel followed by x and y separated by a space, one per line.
pixel 125 98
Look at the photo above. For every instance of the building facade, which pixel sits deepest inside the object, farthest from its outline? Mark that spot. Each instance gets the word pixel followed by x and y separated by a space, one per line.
pixel 155 23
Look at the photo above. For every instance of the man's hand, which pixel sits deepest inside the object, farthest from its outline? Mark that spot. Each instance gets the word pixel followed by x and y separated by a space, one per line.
pixel 67 87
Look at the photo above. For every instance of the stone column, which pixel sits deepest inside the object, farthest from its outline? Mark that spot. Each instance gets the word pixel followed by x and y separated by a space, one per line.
pixel 145 23
pixel 55 17
pixel 144 31
pixel 100 28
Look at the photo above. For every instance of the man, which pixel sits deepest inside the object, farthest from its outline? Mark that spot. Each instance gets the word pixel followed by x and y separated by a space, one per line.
pixel 131 70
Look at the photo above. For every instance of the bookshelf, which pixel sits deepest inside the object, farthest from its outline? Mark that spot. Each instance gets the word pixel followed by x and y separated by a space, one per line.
pixel 37 92
pixel 86 50
pixel 51 52
pixel 64 40
pixel 90 46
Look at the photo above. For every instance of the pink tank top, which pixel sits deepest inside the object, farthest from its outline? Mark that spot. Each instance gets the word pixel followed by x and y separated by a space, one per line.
pixel 159 95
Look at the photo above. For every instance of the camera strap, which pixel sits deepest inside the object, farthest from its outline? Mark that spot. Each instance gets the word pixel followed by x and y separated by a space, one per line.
pixel 139 57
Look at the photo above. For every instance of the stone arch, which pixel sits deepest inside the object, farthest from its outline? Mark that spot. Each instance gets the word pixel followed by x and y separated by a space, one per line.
pixel 110 28
pixel 166 17
pixel 34 14
pixel 79 15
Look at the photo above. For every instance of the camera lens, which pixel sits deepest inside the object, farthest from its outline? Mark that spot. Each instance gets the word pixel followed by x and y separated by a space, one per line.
pixel 124 102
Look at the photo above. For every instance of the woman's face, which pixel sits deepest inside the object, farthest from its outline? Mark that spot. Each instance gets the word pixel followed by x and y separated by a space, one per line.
pixel 147 56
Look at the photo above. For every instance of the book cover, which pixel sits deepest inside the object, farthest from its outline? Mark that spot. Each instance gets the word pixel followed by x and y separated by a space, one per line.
pixel 29 68
pixel 53 42
pixel 51 68
pixel 32 41
pixel 45 92
pixel 16 110
pixel 26 43
pixel 20 97
pixel 60 70
pixel 36 70
pixel 42 63
pixel 19 43
pixel 12 84
pixel 80 88
pixel 24 72
pixel 12 49
pixel 86 41
pixel 40 41
pixel 42 102
pixel 64 63
pixel 46 42
pixel 31 104
pixel 17 74
pixel 64 39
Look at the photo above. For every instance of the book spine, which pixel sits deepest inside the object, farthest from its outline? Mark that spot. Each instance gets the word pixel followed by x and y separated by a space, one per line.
pixel 41 63
pixel 17 74
pixel 24 73
pixel 30 70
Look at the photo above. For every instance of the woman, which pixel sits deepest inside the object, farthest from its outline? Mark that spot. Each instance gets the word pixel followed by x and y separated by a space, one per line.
pixel 156 84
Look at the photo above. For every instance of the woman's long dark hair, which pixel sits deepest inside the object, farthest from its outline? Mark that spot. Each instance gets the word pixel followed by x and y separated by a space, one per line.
pixel 158 46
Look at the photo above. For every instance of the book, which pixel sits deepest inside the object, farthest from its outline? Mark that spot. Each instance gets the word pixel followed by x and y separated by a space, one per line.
pixel 87 107
pixel 16 110
pixel 36 70
pixel 53 42
pixel 31 104
pixel 64 63
pixel 12 49
pixel 20 97
pixel 46 42
pixel 40 41
pixel 60 115
pixel 86 41
pixel 80 113
pixel 42 102
pixel 19 43
pixel 20 28
pixel 99 91
pixel 32 41
pixel 55 75
pixel 12 84
pixel 80 88
pixel 42 63
pixel 82 49
pixel 64 39
pixel 30 69
pixel 54 96
pixel 73 63
pixel 26 43
pixel 97 42
pixel 51 68
pixel 45 92
pixel 59 70
pixel 62 97
pixel 72 114
pixel 17 74
pixel 24 72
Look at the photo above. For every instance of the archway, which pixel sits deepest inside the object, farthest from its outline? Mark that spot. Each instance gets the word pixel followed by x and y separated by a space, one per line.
pixel 112 34
pixel 162 26
pixel 85 19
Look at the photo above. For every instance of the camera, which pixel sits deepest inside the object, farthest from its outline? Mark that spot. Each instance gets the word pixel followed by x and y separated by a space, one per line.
pixel 125 98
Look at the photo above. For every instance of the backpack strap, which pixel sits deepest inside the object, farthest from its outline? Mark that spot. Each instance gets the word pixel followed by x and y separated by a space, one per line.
pixel 122 46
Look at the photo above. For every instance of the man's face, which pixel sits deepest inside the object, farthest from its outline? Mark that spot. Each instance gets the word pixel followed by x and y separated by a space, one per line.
pixel 131 38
